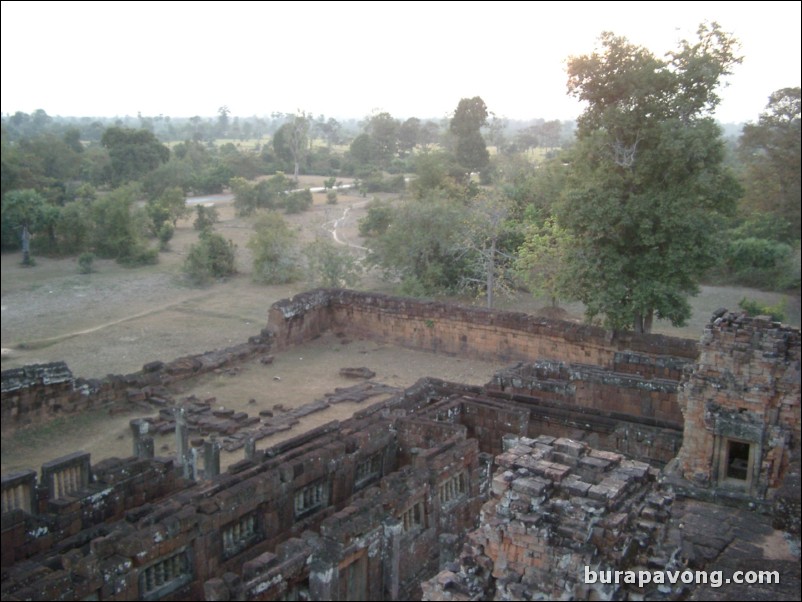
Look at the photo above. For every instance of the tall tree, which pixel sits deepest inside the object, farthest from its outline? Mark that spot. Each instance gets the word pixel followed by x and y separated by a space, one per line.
pixel 24 213
pixel 291 141
pixel 647 177
pixel 222 121
pixel 771 150
pixel 408 135
pixel 485 228
pixel 468 120
pixel 132 153
pixel 274 248
pixel 383 131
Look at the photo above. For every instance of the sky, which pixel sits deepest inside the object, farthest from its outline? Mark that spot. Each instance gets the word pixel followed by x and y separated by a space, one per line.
pixel 352 59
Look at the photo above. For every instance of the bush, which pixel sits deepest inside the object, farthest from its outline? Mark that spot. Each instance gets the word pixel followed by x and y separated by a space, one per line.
pixel 754 308
pixel 332 265
pixel 376 182
pixel 275 258
pixel 296 202
pixel 212 257
pixel 120 228
pixel 761 253
pixel 205 217
pixel 139 255
pixel 331 197
pixel 165 236
pixel 377 220
pixel 85 261
pixel 760 263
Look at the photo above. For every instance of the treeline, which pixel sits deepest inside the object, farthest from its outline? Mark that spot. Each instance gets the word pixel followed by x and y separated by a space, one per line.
pixel 54 170
pixel 626 210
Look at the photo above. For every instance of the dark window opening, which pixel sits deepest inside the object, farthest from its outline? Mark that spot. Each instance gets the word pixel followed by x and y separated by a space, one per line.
pixel 737 460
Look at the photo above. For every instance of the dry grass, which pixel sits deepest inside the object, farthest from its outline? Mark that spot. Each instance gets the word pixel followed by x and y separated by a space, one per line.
pixel 117 319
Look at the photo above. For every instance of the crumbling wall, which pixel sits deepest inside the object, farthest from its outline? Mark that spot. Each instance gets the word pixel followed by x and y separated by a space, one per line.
pixel 71 499
pixel 567 521
pixel 557 507
pixel 40 392
pixel 741 406
pixel 465 331
pixel 633 411
pixel 327 515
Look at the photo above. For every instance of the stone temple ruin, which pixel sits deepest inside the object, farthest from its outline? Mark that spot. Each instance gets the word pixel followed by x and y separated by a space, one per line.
pixel 590 452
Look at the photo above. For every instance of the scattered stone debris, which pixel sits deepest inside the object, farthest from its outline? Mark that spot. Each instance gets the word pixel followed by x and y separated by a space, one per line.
pixel 357 372
pixel 359 393
pixel 234 429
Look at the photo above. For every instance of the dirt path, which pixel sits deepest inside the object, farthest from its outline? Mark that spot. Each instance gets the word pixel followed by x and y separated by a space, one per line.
pixel 297 376
pixel 117 319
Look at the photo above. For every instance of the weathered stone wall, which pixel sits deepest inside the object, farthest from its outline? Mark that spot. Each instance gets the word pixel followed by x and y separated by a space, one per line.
pixel 618 411
pixel 744 391
pixel 60 515
pixel 607 391
pixel 468 332
pixel 332 514
pixel 40 392
pixel 367 508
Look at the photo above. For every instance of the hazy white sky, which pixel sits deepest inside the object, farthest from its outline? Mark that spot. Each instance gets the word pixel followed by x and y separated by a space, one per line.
pixel 347 59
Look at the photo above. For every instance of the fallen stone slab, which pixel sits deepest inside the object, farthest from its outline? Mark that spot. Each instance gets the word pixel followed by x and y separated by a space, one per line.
pixel 357 372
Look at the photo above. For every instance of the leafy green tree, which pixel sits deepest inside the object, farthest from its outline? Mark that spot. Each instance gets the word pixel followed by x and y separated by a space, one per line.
pixel 487 230
pixel 647 183
pixel 332 265
pixel 530 186
pixel 331 131
pixel 120 228
pixel 75 227
pixel 291 142
pixel 264 194
pixel 470 148
pixel 383 131
pixel 25 213
pixel 132 153
pixel 212 257
pixel 361 150
pixel 297 201
pixel 541 258
pixel 206 217
pixel 377 219
pixel 72 138
pixel 85 263
pixel 165 235
pixel 421 248
pixel 168 208
pixel 274 248
pixel 223 121
pixel 771 151
pixel 436 172
pixel 409 134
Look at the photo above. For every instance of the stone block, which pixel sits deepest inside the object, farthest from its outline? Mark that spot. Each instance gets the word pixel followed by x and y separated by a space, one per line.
pixel 570 447
pixel 531 486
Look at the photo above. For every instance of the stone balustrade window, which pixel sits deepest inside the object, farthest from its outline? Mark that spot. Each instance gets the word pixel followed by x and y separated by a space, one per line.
pixel 310 498
pixel 451 489
pixel 368 470
pixel 414 517
pixel 241 534
pixel 66 475
pixel 18 491
pixel 165 576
